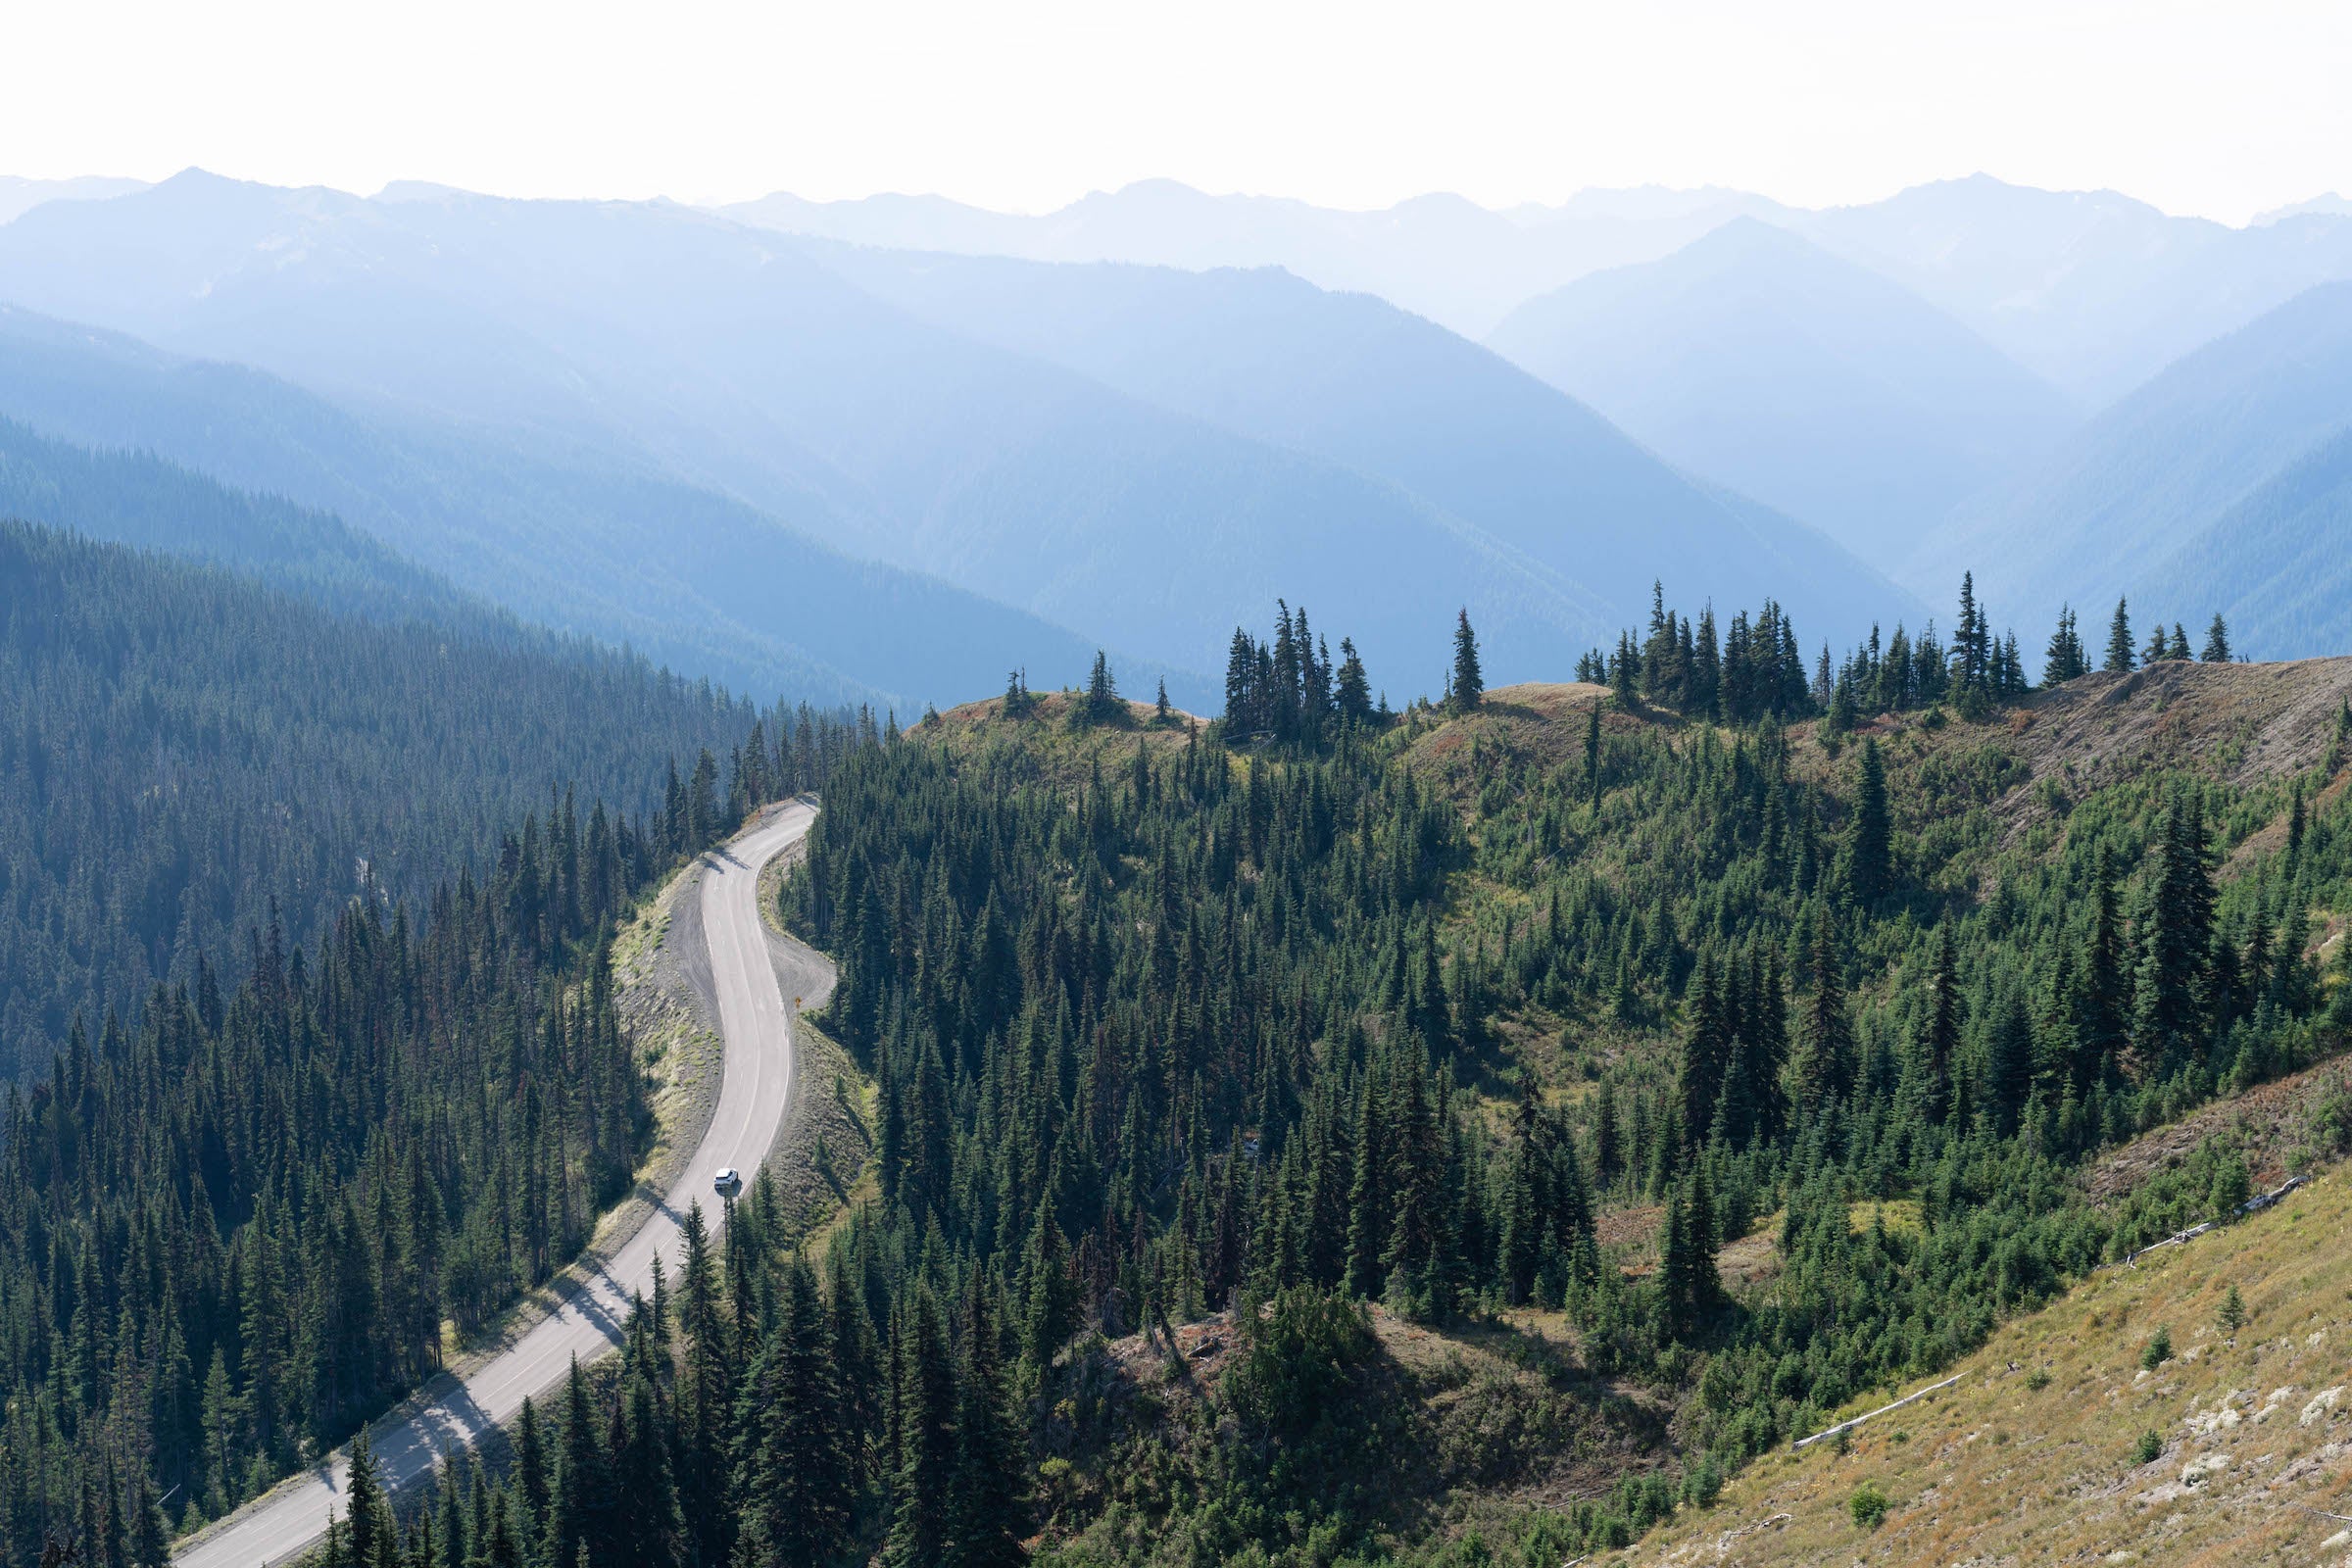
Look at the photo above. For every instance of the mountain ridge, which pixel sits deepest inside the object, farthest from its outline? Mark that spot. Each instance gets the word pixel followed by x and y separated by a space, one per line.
pixel 1787 374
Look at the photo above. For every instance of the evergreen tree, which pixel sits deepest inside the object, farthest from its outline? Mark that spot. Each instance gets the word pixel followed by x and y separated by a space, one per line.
pixel 643 1511
pixel 925 1417
pixel 2119 661
pixel 371 1529
pixel 1100 705
pixel 2065 658
pixel 704 1418
pixel 148 1542
pixel 533 1488
pixel 1693 1288
pixel 1939 1028
pixel 1468 685
pixel 1706 1053
pixel 1353 693
pixel 2216 641
pixel 986 1512
pixel 794 1475
pixel 2008 1062
pixel 2097 1012
pixel 1825 1061
pixel 2168 1010
pixel 577 1515
pixel 1870 848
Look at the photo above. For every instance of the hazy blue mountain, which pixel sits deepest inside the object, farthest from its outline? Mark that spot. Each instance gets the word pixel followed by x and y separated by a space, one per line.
pixel 1350 379
pixel 2327 203
pixel 2112 506
pixel 698 580
pixel 642 345
pixel 2278 563
pixel 1817 386
pixel 22 195
pixel 135 498
pixel 1439 256
pixel 2093 290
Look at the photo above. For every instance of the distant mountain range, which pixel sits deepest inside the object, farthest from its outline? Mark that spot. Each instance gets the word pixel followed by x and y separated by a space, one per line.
pixel 1804 381
pixel 1350 380
pixel 22 195
pixel 583 353
pixel 686 576
pixel 2091 291
pixel 885 450
pixel 1439 256
pixel 2219 485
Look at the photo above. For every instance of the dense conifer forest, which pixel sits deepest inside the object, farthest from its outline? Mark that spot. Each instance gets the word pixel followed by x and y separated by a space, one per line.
pixel 1309 1009
pixel 240 1201
pixel 185 752
pixel 1500 1014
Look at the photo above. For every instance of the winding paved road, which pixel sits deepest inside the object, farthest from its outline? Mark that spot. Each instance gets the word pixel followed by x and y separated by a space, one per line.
pixel 757 1022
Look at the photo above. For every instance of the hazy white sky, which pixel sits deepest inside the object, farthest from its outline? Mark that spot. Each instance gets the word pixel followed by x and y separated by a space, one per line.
pixel 2217 109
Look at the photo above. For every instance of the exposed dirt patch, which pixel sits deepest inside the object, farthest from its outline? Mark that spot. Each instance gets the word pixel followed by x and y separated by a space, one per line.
pixel 1750 1261
pixel 1635 1225
pixel 2267 1125
pixel 1539 722
pixel 1474 1416
pixel 823 1152
pixel 2241 723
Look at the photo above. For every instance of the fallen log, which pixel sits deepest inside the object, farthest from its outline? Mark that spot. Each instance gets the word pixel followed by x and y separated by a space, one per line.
pixel 1849 1426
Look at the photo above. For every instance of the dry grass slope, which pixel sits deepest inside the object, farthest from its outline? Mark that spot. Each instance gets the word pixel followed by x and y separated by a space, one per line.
pixel 2035 1459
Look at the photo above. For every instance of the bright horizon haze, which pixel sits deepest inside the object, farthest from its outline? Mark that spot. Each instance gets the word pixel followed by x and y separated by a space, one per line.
pixel 2199 109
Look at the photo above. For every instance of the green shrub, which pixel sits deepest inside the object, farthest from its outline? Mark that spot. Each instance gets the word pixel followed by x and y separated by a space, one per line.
pixel 2233 1312
pixel 2158 1351
pixel 2151 1448
pixel 1867 1505
pixel 1298 1356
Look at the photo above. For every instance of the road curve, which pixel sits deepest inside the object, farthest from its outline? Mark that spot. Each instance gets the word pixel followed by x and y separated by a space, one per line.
pixel 756 1020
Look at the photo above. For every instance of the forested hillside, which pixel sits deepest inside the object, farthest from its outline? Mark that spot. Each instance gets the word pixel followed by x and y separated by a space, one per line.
pixel 135 498
pixel 1467 1135
pixel 190 758
pixel 324 909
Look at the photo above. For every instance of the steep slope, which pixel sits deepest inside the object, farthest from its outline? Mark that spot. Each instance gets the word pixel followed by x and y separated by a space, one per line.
pixel 1812 383
pixel 2090 289
pixel 2273 563
pixel 559 533
pixel 1351 380
pixel 193 757
pixel 2036 1455
pixel 2104 513
pixel 138 499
